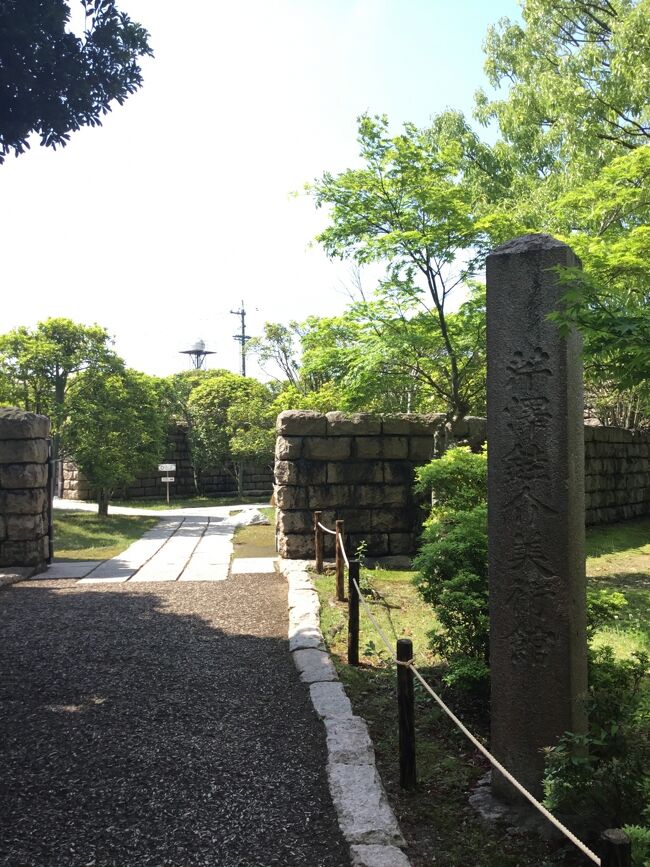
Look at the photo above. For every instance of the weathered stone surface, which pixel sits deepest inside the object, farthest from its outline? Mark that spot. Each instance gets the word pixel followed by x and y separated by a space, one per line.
pixel 22 553
pixel 421 449
pixel 370 495
pixel 300 473
pixel 306 638
pixel 536 516
pixel 358 423
pixel 363 810
pixel 294 545
pixel 348 742
pixel 301 423
pixel 412 424
pixel 391 520
pixel 401 543
pixel 23 476
pixel 314 666
pixel 24 527
pixel 23 451
pixel 330 701
pixel 288 448
pixel 27 502
pixel 368 472
pixel 327 449
pixel 378 856
pixel 288 497
pixel 297 522
pixel 298 581
pixel 303 599
pixel 398 473
pixel 330 496
pixel 16 424
pixel 393 448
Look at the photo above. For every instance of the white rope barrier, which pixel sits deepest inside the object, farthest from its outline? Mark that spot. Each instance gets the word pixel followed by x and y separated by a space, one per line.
pixel 479 746
pixel 326 529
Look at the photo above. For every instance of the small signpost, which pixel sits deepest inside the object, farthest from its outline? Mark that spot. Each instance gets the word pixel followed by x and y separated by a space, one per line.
pixel 167 468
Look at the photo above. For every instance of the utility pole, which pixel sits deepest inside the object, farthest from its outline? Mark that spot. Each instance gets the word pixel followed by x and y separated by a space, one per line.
pixel 242 337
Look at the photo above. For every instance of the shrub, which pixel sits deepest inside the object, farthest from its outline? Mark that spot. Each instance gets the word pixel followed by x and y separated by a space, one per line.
pixel 605 773
pixel 457 481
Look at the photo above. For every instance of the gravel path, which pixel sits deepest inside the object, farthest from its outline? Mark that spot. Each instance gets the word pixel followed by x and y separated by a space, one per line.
pixel 158 724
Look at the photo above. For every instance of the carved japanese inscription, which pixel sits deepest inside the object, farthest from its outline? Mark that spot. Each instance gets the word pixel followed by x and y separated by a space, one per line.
pixel 535 509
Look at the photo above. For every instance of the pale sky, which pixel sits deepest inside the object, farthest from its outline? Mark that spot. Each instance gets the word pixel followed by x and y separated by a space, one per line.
pixel 161 221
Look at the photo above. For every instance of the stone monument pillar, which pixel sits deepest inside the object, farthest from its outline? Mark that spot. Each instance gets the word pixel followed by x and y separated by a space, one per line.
pixel 536 519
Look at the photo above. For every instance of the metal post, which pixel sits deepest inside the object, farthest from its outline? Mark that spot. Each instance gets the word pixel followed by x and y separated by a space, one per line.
pixel 616 849
pixel 353 614
pixel 318 542
pixel 340 587
pixel 406 715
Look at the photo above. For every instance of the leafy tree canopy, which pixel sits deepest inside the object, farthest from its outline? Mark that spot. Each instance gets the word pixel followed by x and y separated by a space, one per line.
pixel 114 428
pixel 53 82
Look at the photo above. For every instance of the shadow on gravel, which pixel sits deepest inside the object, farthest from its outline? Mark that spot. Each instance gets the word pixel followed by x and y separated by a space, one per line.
pixel 135 731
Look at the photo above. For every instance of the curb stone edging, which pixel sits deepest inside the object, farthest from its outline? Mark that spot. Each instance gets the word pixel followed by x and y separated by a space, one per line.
pixel 365 817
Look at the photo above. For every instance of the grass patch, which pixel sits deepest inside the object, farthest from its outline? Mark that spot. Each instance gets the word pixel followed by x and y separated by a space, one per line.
pixel 258 540
pixel 160 503
pixel 618 558
pixel 87 536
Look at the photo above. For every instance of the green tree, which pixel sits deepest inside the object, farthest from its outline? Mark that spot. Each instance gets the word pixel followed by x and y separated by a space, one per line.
pixel 114 428
pixel 53 82
pixel 278 348
pixel 228 423
pixel 38 366
pixel 578 73
pixel 413 207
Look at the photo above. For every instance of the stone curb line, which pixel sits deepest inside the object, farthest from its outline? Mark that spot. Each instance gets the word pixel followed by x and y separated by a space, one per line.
pixel 365 816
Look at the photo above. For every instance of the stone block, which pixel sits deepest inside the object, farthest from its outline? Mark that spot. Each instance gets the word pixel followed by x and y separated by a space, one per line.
pixel 330 701
pixel 387 520
pixel 358 423
pixel 402 543
pixel 355 520
pixel 413 424
pixel 376 543
pixel 421 449
pixel 23 476
pixel 348 742
pixel 327 448
pixel 293 422
pixel 477 428
pixel 295 546
pixel 398 473
pixel 363 810
pixel 314 666
pixel 391 448
pixel 370 495
pixel 288 448
pixel 23 451
pixel 23 502
pixel 16 424
pixel 25 553
pixel 287 497
pixel 378 856
pixel 296 522
pixel 24 527
pixel 367 472
pixel 396 495
pixel 330 496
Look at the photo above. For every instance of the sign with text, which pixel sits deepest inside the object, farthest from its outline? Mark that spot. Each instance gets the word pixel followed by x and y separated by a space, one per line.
pixel 166 468
pixel 167 479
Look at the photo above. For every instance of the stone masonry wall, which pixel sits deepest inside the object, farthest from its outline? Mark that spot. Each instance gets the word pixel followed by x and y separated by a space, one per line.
pixel 23 488
pixel 258 481
pixel 359 468
pixel 617 474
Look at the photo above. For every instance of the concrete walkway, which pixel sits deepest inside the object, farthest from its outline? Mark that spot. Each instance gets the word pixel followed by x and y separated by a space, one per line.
pixel 149 716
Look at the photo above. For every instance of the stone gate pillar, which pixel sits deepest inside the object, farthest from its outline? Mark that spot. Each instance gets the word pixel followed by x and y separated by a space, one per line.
pixel 538 650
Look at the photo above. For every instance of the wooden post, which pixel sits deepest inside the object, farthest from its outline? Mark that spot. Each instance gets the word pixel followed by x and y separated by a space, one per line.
pixel 340 587
pixel 353 614
pixel 406 714
pixel 318 542
pixel 616 849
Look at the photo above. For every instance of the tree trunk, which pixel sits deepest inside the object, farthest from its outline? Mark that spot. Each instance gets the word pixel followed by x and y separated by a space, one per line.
pixel 240 480
pixel 102 502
